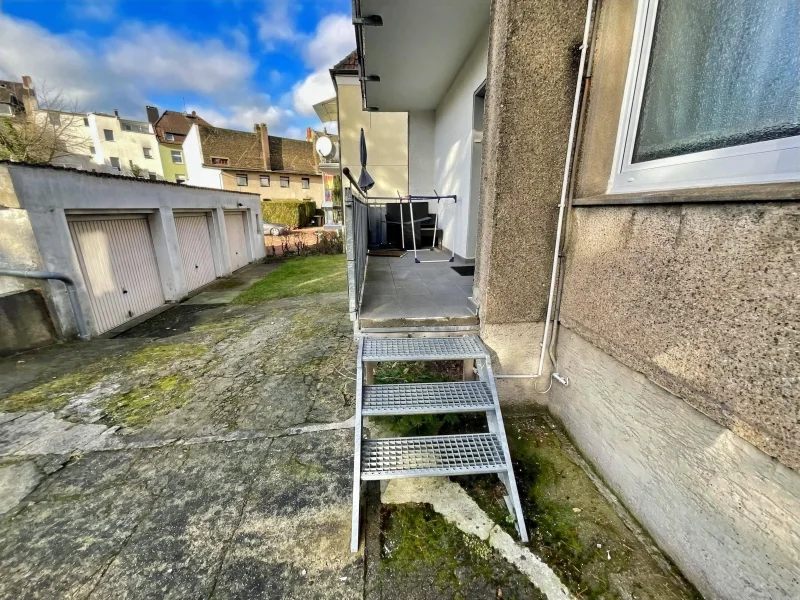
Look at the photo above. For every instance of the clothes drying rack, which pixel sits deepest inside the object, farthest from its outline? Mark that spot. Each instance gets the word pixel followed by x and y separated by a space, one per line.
pixel 440 205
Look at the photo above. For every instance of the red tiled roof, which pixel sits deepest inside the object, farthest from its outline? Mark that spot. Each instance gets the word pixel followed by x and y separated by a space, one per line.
pixel 243 151
pixel 348 63
pixel 176 123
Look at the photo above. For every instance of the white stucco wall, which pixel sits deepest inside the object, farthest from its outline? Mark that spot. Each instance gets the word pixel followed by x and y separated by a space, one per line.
pixel 196 174
pixel 453 145
pixel 128 146
pixel 724 511
pixel 421 134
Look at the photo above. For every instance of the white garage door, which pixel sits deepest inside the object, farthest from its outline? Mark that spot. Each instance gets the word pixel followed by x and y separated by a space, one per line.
pixel 195 243
pixel 237 245
pixel 119 267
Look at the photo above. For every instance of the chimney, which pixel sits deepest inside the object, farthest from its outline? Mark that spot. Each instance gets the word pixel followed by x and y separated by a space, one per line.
pixel 264 133
pixel 152 114
pixel 309 137
pixel 29 100
pixel 116 113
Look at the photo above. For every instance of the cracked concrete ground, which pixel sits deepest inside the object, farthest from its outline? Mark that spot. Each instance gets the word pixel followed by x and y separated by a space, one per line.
pixel 211 459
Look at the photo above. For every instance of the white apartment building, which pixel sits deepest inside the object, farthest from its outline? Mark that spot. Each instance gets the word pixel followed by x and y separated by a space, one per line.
pixel 124 145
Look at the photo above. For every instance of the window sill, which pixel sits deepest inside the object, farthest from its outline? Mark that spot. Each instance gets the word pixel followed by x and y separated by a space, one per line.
pixel 762 192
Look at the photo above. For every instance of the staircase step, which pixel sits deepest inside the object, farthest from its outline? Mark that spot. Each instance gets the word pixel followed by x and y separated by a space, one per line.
pixel 401 349
pixel 442 455
pixel 427 398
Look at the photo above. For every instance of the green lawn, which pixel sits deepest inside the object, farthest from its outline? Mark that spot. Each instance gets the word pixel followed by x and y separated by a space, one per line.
pixel 301 276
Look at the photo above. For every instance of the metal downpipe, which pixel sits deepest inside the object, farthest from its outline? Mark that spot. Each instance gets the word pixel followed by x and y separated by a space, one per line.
pixel 72 292
pixel 565 188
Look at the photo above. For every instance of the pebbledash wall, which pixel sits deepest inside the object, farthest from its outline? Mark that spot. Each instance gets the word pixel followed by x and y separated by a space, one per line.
pixel 679 317
pixel 35 203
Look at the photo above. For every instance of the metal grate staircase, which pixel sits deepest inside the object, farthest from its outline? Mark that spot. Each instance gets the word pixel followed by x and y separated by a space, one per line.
pixel 432 456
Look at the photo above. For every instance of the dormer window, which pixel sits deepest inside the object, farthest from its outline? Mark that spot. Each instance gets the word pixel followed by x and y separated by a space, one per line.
pixel 215 160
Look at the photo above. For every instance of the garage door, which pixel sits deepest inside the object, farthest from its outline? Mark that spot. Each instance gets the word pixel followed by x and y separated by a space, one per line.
pixel 237 246
pixel 119 267
pixel 195 243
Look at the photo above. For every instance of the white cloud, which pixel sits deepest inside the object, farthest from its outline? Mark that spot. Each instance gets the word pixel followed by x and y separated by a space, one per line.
pixel 276 24
pixel 333 40
pixel 58 61
pixel 172 62
pixel 95 10
pixel 245 116
pixel 123 69
pixel 314 88
pixel 136 63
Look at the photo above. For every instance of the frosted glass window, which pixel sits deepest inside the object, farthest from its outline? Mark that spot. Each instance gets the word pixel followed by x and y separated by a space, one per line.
pixel 721 73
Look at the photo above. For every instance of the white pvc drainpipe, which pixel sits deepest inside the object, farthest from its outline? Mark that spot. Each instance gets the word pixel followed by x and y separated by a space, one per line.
pixel 562 205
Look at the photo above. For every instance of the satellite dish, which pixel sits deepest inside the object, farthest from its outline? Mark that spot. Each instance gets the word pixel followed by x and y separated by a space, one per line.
pixel 324 146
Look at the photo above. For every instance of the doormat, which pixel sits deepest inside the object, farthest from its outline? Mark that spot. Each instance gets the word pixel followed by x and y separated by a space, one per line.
pixel 392 253
pixel 466 271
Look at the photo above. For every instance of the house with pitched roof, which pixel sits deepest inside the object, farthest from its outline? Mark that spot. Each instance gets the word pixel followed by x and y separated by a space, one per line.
pixel 276 168
pixel 171 129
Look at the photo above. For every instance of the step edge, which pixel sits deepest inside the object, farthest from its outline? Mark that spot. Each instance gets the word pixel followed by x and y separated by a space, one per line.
pixel 447 411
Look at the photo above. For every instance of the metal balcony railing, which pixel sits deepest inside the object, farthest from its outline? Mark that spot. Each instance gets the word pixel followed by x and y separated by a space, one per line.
pixel 356 241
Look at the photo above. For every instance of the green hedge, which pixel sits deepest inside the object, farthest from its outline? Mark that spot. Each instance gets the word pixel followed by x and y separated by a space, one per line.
pixel 292 213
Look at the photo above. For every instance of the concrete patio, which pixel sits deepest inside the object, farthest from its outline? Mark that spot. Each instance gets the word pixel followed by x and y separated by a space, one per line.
pixel 399 291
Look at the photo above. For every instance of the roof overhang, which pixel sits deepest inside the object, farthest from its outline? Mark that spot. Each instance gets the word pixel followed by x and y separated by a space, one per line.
pixel 417 51
pixel 327 110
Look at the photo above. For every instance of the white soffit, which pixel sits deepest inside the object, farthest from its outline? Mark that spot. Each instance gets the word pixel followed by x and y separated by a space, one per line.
pixel 327 110
pixel 419 49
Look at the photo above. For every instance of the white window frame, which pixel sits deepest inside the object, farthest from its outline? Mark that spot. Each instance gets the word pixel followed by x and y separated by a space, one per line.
pixel 761 162
pixel 169 137
pixel 148 152
pixel 180 156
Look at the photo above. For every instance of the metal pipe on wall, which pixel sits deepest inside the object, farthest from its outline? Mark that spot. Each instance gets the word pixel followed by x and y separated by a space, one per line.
pixel 72 292
pixel 565 189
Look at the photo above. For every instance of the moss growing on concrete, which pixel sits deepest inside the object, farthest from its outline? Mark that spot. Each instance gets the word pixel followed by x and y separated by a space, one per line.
pixel 227 283
pixel 141 405
pixel 421 550
pixel 163 354
pixel 51 395
pixel 572 527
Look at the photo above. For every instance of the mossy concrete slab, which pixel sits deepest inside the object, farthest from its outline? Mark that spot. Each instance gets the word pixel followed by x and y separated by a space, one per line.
pixel 258 518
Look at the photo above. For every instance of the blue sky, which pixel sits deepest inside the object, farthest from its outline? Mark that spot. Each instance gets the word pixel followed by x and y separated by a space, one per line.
pixel 236 62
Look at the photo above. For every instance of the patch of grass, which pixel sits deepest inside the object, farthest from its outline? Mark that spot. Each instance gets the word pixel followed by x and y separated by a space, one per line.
pixel 420 544
pixel 418 372
pixel 163 353
pixel 141 405
pixel 571 526
pixel 53 395
pixel 301 276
